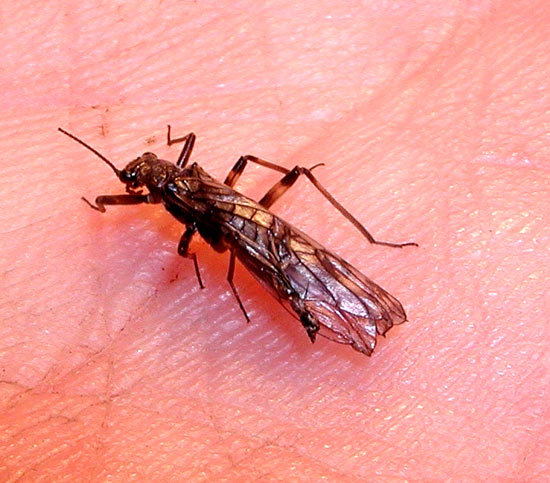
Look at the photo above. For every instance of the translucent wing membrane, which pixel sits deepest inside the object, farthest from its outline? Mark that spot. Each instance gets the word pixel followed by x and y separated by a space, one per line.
pixel 349 307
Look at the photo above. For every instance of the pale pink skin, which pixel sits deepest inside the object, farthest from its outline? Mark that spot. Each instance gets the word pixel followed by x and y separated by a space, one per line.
pixel 433 123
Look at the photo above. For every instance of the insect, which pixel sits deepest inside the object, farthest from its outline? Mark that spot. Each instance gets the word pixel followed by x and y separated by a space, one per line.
pixel 324 292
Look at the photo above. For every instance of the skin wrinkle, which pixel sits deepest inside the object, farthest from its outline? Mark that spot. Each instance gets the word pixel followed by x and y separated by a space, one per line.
pixel 431 128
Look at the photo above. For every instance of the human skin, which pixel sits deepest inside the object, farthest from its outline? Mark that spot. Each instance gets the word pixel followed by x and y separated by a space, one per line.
pixel 433 125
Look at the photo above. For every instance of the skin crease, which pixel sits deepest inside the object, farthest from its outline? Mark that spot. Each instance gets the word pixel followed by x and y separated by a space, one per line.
pixel 433 125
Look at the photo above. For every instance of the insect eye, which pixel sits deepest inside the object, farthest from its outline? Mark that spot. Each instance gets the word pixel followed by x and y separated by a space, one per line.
pixel 127 177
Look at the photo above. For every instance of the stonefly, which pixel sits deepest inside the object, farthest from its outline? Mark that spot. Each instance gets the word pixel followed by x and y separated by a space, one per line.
pixel 324 292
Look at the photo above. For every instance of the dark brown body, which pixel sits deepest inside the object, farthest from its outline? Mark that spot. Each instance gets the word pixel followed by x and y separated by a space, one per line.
pixel 327 294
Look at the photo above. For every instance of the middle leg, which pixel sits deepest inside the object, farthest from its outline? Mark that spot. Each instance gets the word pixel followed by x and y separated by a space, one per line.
pixel 183 250
pixel 230 274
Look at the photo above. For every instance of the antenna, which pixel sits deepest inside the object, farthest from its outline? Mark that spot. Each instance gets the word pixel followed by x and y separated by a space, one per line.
pixel 87 146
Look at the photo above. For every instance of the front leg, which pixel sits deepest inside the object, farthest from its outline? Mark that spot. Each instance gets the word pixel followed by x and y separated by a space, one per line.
pixel 103 200
pixel 183 250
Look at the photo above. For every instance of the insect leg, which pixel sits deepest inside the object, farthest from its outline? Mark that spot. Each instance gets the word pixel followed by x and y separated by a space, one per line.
pixel 103 200
pixel 290 178
pixel 183 250
pixel 185 154
pixel 238 169
pixel 230 273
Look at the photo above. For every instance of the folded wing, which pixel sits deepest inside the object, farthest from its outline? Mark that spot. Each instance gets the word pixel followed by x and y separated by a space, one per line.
pixel 350 307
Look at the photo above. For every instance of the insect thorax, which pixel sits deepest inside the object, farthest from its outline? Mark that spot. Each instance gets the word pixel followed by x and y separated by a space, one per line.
pixel 152 172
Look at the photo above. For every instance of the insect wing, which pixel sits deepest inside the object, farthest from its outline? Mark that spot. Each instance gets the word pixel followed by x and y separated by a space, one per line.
pixel 350 308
